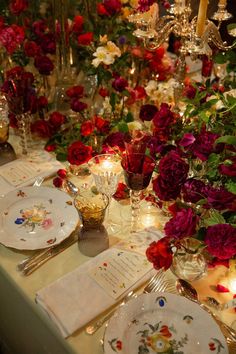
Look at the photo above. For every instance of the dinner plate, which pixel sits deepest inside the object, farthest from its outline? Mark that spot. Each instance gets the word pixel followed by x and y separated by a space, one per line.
pixel 163 323
pixel 36 217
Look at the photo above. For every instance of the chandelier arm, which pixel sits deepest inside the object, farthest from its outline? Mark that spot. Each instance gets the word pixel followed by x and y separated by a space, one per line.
pixel 212 34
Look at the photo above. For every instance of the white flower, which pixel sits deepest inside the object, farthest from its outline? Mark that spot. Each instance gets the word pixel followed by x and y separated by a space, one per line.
pixel 135 125
pixel 113 49
pixel 102 56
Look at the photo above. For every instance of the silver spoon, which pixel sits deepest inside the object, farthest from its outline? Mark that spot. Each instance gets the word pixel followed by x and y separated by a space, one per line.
pixel 211 301
pixel 186 289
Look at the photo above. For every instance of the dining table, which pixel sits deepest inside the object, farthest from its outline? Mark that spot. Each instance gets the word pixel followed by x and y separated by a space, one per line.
pixel 27 329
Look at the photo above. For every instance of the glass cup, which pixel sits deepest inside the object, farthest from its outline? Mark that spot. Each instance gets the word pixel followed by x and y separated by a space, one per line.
pixel 91 208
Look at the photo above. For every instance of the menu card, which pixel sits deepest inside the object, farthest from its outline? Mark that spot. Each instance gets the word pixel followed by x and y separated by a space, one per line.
pixel 24 171
pixel 120 271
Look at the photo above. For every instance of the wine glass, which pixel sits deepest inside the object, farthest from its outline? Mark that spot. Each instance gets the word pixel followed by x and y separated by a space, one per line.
pixel 106 170
pixel 138 169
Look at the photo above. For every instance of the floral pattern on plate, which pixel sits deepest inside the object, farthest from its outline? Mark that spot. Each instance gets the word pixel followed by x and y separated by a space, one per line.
pixel 165 324
pixel 36 217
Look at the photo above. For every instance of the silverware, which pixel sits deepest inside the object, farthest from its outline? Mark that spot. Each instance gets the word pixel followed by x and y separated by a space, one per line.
pixel 152 286
pixel 211 301
pixel 34 263
pixel 187 290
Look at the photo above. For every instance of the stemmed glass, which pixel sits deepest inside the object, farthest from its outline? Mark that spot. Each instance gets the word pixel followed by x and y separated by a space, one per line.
pixel 138 169
pixel 106 170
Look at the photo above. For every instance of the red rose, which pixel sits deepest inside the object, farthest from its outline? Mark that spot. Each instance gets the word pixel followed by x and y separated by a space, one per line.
pixel 207 65
pixel 183 224
pixel 18 6
pixel 112 6
pixel 147 112
pixel 86 128
pixel 47 43
pixel 78 24
pixel 101 10
pixel 41 128
pixel 44 65
pixel 163 117
pixel 50 148
pixel 122 191
pixel 31 49
pixel 102 125
pixel 56 119
pixel 78 153
pixel 103 92
pixel 75 91
pixel 160 254
pixel 42 102
pixel 57 182
pixel 62 173
pixel 85 39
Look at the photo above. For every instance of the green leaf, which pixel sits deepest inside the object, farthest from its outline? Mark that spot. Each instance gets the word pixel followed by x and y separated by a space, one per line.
pixel 123 127
pixel 214 218
pixel 220 58
pixel 227 139
pixel 231 186
pixel 61 156
pixel 113 99
pixel 129 117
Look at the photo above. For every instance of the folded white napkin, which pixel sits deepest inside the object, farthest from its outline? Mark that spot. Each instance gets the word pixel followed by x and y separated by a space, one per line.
pixel 23 171
pixel 75 299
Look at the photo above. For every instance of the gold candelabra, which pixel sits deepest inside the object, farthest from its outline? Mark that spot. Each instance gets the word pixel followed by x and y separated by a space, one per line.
pixel 196 34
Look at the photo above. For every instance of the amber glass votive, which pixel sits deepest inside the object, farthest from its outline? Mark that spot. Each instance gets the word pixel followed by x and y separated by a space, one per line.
pixel 91 208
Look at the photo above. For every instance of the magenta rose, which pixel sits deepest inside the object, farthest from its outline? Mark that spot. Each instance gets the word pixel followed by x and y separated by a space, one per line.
pixel 164 117
pixel 48 43
pixel 173 169
pixel 78 153
pixel 144 5
pixel 115 139
pixel 220 199
pixel 183 224
pixel 44 65
pixel 203 145
pixel 193 190
pixel 31 49
pixel 228 168
pixel 119 84
pixel 147 112
pixel 221 241
pixel 165 191
pixel 77 105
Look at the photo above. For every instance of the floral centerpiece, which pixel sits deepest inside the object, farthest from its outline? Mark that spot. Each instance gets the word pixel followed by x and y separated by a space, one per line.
pixel 197 178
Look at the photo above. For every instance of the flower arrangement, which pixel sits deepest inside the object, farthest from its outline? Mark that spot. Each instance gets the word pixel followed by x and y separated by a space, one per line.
pixel 197 179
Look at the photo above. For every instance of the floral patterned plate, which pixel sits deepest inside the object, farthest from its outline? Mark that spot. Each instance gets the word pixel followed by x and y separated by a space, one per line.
pixel 36 217
pixel 163 323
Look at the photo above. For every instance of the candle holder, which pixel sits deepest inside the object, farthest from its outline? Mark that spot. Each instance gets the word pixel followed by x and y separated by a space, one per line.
pixel 195 34
pixel 221 14
pixel 106 171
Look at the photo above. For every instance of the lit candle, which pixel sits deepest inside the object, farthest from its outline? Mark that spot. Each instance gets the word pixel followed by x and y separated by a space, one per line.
pixel 222 3
pixel 232 276
pixel 201 18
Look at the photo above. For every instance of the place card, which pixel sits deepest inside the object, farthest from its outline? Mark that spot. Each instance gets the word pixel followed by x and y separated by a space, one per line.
pixel 23 170
pixel 120 271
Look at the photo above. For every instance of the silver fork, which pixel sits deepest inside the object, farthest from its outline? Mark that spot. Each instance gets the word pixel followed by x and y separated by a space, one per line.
pixel 152 286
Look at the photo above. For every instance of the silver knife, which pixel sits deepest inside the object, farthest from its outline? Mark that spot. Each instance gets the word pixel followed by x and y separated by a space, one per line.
pixel 50 253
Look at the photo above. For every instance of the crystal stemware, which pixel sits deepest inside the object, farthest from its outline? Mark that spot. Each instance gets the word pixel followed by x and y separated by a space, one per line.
pixel 106 171
pixel 138 169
